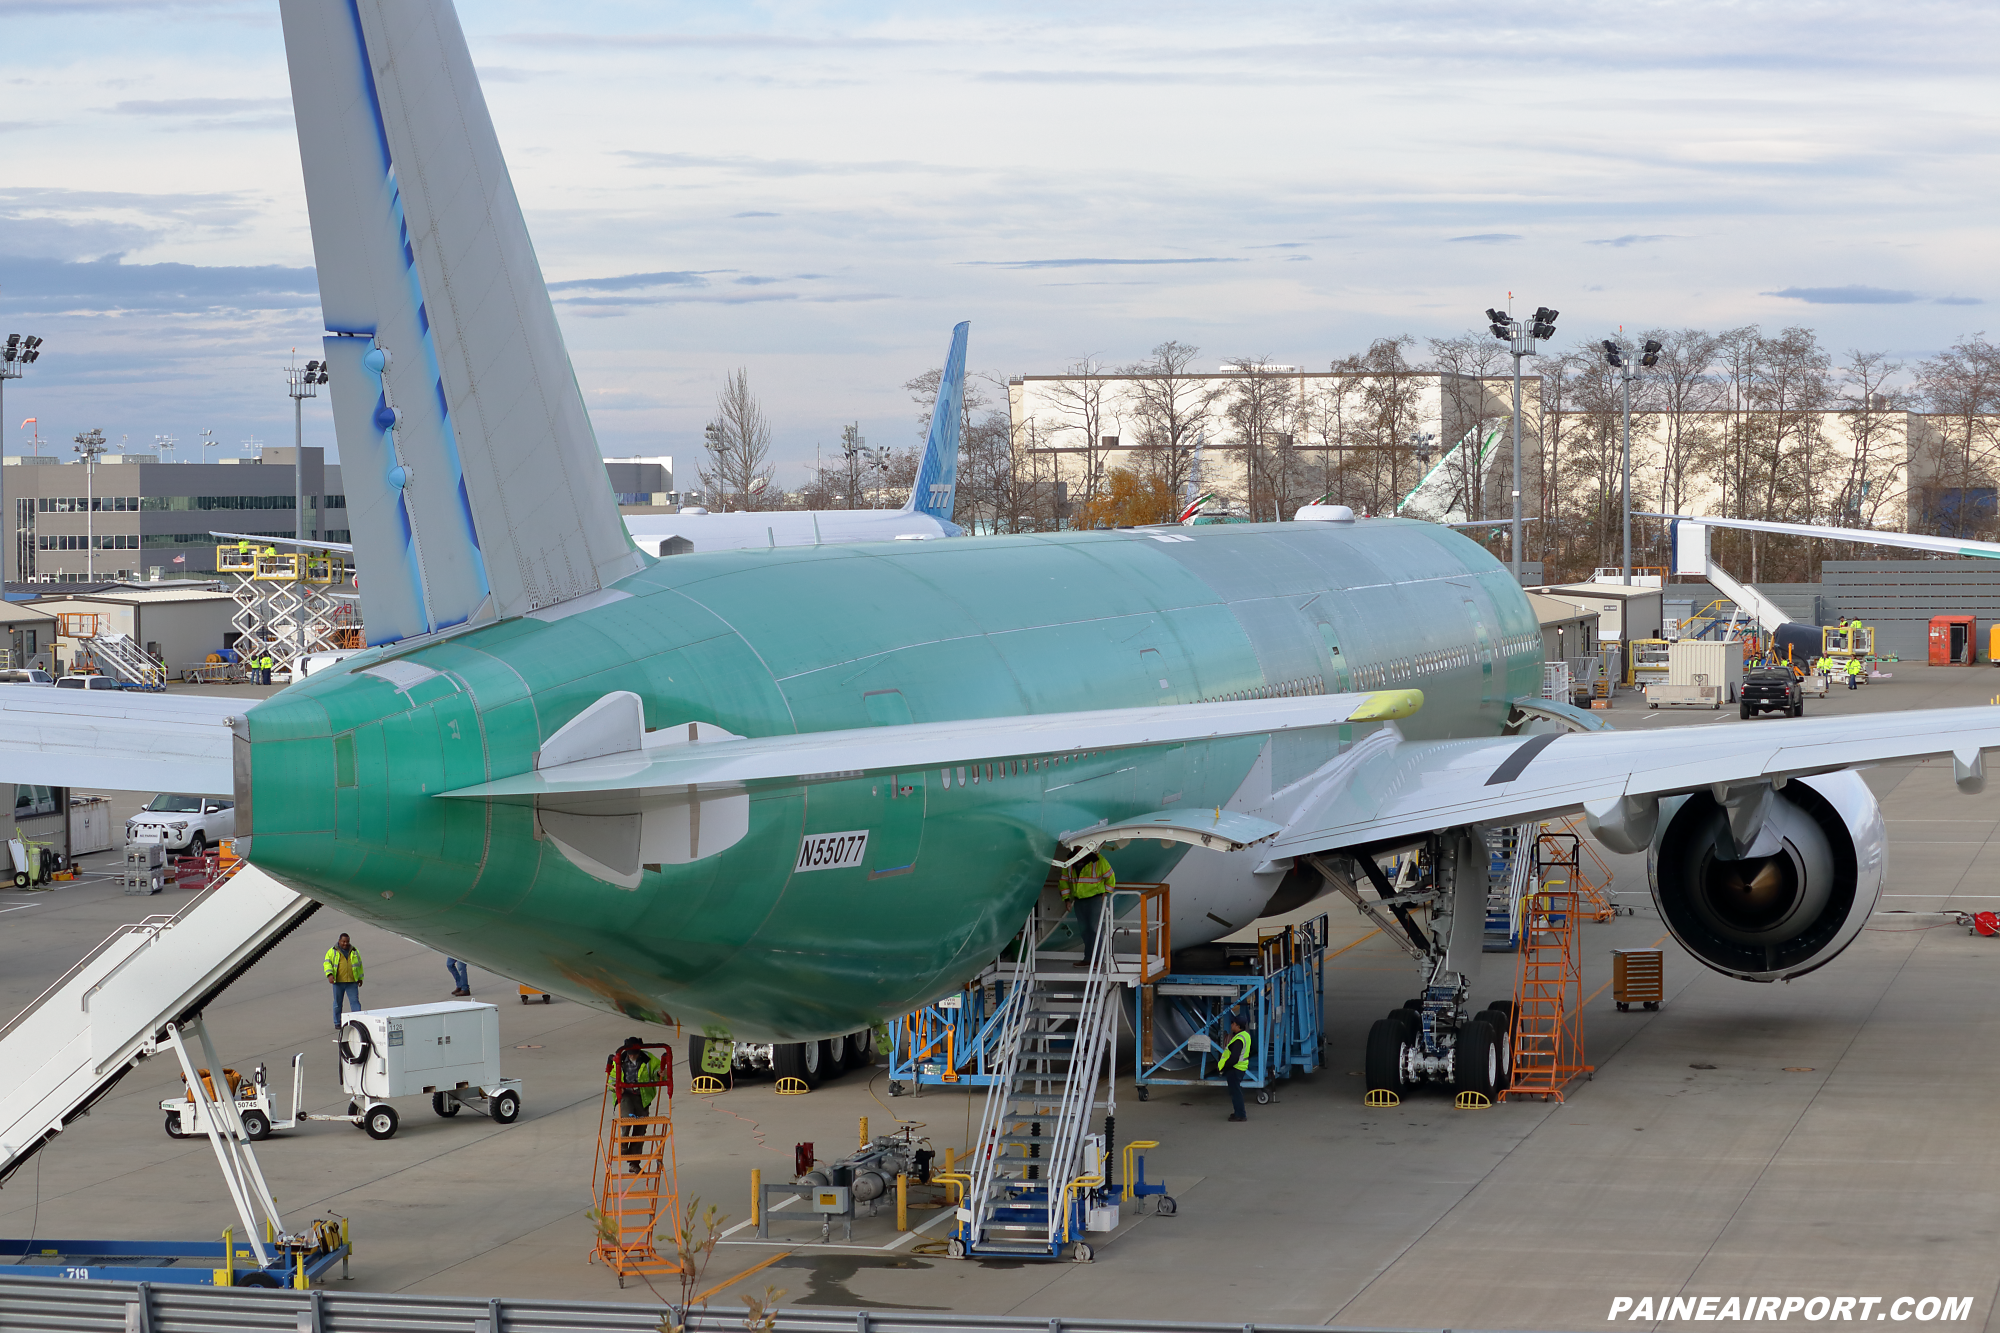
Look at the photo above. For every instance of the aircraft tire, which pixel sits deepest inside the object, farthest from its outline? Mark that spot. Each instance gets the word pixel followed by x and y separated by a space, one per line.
pixel 799 1060
pixel 1478 1063
pixel 1382 1066
pixel 1503 1037
pixel 697 1046
pixel 861 1049
pixel 832 1057
pixel 1409 1022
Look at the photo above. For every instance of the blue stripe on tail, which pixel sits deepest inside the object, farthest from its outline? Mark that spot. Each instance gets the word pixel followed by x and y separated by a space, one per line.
pixel 937 471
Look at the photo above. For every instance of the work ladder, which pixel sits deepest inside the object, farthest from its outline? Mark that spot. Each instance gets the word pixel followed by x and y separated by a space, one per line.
pixel 1030 1182
pixel 119 657
pixel 637 1175
pixel 1548 996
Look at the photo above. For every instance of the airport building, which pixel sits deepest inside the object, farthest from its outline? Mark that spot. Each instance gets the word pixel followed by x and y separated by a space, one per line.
pixel 132 515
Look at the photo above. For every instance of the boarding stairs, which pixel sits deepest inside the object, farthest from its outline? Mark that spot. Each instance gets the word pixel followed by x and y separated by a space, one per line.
pixel 118 656
pixel 124 1000
pixel 1030 1180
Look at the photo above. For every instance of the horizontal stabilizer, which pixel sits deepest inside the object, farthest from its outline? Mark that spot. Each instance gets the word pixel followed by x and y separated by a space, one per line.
pixel 674 758
pixel 98 739
pixel 1913 541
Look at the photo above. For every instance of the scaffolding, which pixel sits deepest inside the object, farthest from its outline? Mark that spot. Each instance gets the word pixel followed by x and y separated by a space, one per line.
pixel 1548 995
pixel 636 1176
pixel 287 604
pixel 1563 848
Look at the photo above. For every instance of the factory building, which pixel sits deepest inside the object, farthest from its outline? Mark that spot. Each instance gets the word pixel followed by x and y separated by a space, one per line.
pixel 133 514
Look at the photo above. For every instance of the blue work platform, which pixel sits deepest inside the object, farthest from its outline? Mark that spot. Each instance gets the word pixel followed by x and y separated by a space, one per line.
pixel 1282 994
pixel 219 1263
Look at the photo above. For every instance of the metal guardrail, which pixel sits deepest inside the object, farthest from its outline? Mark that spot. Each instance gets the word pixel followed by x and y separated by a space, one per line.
pixel 53 1304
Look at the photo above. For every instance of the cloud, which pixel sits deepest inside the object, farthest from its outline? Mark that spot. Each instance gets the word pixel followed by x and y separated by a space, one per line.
pixel 1279 245
pixel 203 106
pixel 629 281
pixel 1961 300
pixel 756 214
pixel 1485 238
pixel 1853 295
pixel 1086 263
pixel 48 285
pixel 1622 241
pixel 508 74
pixel 787 167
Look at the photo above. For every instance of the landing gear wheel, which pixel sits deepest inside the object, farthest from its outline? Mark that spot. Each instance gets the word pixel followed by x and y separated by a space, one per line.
pixel 861 1048
pixel 1263 1096
pixel 1166 1207
pixel 506 1108
pixel 1503 1037
pixel 444 1104
pixel 1083 1254
pixel 1409 1022
pixel 954 1248
pixel 1382 1068
pixel 799 1060
pixel 1477 1062
pixel 257 1125
pixel 832 1057
pixel 380 1122
pixel 697 1049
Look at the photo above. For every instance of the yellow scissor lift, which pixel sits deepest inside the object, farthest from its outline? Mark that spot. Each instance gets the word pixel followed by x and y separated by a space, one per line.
pixel 283 599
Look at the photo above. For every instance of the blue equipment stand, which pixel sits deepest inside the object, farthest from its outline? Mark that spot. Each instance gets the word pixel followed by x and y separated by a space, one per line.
pixel 197 1262
pixel 1284 999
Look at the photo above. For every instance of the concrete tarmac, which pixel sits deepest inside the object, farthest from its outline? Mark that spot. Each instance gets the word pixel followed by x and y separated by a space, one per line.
pixel 1826 1137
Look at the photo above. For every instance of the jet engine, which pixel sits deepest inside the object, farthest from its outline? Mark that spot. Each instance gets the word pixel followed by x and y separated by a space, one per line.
pixel 1767 883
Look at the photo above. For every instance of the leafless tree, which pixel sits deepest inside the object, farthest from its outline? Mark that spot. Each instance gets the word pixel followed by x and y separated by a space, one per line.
pixel 1389 399
pixel 1871 405
pixel 1463 363
pixel 738 444
pixel 1681 387
pixel 1262 411
pixel 1172 402
pixel 1082 412
pixel 1961 388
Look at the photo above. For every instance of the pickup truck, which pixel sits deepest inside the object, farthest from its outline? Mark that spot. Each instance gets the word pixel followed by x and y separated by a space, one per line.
pixel 1772 690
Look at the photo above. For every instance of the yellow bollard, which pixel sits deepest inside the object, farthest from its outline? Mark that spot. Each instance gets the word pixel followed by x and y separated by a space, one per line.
pixel 948 1167
pixel 302 1282
pixel 270 1233
pixel 756 1193
pixel 902 1202
pixel 225 1276
pixel 864 1131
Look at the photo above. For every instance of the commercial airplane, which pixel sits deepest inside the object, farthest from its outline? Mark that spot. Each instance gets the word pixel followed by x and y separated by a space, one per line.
pixel 783 793
pixel 925 515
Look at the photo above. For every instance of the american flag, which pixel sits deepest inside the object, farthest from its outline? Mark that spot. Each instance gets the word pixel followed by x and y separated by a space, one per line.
pixel 180 559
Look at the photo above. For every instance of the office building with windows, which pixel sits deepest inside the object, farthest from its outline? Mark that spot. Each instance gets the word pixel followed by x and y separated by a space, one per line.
pixel 136 514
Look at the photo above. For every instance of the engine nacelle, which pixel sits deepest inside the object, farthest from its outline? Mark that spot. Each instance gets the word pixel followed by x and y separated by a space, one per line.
pixel 1778 916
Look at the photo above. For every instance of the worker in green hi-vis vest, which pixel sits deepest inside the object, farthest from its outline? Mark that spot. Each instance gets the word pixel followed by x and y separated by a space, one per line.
pixel 1234 1063
pixel 1087 885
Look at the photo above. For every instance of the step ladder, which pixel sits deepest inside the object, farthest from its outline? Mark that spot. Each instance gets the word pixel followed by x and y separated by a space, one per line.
pixel 1548 995
pixel 637 1176
pixel 1031 1181
pixel 118 656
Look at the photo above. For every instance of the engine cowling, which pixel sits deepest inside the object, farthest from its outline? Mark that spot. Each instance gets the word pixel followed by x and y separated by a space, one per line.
pixel 1771 918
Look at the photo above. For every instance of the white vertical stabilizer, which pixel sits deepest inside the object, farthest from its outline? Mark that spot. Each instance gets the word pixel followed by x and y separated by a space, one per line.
pixel 475 485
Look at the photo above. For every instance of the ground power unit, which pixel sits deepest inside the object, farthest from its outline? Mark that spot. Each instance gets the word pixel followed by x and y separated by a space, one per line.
pixel 450 1050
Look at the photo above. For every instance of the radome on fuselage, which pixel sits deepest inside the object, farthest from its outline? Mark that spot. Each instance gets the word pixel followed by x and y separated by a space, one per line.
pixel 346 766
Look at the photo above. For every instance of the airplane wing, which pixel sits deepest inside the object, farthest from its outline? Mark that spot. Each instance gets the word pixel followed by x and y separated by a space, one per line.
pixel 126 742
pixel 1915 541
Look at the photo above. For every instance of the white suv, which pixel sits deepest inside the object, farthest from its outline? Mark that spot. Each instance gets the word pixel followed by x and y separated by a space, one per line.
pixel 191 824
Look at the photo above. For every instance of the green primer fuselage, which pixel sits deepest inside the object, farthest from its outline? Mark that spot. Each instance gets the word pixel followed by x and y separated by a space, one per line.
pixel 345 767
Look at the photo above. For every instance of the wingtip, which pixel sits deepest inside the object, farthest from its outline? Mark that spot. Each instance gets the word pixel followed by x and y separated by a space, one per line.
pixel 1387 706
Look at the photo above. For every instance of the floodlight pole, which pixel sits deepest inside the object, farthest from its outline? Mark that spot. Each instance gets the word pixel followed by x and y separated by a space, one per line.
pixel 301 385
pixel 1625 380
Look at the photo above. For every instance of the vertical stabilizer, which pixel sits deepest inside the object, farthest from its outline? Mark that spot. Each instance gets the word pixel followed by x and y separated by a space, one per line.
pixel 475 485
pixel 937 470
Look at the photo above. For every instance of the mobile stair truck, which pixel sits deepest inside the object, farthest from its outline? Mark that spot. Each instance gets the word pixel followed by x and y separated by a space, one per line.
pixel 137 994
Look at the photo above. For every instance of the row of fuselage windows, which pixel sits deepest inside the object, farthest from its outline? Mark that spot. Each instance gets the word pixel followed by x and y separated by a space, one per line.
pixel 134 504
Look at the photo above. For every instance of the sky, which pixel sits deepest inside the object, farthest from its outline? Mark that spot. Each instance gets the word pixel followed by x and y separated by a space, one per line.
pixel 816 192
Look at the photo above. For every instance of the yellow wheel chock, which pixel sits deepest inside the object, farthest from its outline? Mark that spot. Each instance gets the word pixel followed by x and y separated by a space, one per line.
pixel 792 1087
pixel 1381 1097
pixel 1473 1101
pixel 705 1084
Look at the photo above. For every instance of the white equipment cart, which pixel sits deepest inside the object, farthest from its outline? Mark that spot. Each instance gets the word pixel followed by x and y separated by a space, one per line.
pixel 450 1050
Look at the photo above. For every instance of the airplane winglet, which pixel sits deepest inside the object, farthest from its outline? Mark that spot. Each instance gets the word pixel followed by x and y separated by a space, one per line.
pixel 1388 706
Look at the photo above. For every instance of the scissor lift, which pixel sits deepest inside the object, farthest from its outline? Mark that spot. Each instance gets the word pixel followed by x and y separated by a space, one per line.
pixel 1283 1001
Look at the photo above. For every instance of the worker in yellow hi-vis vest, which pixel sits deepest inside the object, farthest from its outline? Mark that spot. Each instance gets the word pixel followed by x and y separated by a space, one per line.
pixel 1234 1063
pixel 1087 886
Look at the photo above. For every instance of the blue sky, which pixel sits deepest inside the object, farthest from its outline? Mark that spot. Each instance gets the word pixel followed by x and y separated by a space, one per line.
pixel 817 192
